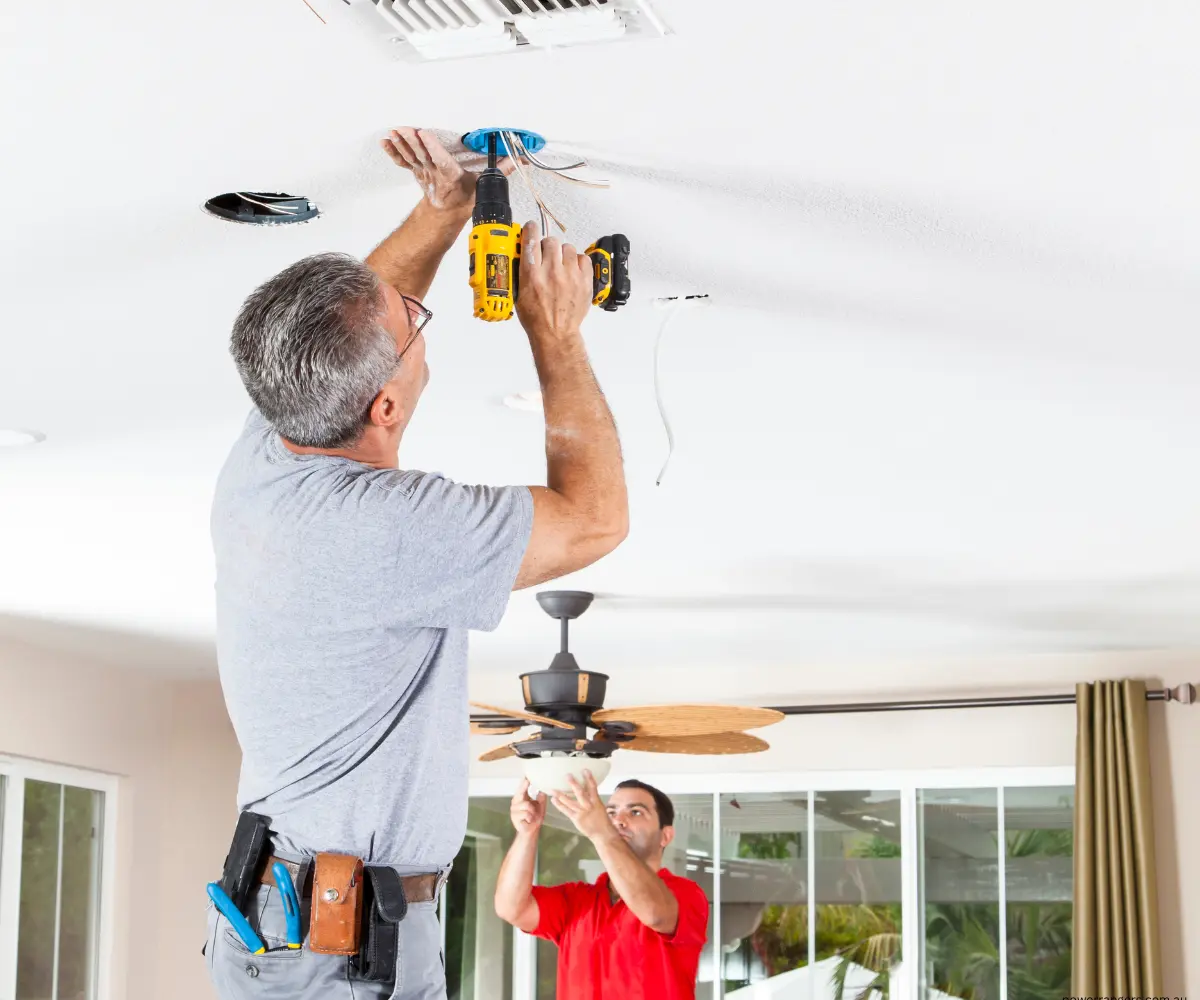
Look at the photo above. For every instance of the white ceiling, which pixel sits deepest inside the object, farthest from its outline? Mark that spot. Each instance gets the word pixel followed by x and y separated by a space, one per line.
pixel 941 402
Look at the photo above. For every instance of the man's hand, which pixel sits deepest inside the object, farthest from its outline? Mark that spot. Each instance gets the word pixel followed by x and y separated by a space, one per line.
pixel 514 884
pixel 584 808
pixel 556 284
pixel 445 183
pixel 526 813
pixel 409 258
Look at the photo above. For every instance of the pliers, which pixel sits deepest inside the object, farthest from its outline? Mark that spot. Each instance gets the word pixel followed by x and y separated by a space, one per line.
pixel 291 903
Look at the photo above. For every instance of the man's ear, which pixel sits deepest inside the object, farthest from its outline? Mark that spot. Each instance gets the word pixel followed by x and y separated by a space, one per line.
pixel 386 409
pixel 668 834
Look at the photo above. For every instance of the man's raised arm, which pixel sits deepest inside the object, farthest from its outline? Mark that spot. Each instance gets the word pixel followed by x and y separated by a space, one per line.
pixel 515 902
pixel 409 258
pixel 638 885
pixel 582 513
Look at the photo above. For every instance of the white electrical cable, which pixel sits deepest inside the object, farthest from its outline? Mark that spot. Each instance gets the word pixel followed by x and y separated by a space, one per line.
pixel 672 308
pixel 602 185
pixel 263 204
pixel 562 171
pixel 514 149
pixel 546 166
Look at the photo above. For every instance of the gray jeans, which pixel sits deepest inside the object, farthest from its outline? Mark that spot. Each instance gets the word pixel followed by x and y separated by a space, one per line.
pixel 287 974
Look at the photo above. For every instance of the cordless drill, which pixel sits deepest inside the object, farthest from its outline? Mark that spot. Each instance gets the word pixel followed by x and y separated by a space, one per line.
pixel 495 248
pixel 495 244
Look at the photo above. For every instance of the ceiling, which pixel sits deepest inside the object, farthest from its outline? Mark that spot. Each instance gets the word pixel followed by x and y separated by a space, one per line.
pixel 941 401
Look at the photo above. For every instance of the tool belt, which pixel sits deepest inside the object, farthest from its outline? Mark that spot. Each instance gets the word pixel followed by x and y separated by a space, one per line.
pixel 417 888
pixel 353 909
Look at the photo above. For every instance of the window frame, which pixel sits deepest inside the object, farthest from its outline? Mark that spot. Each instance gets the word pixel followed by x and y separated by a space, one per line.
pixel 907 782
pixel 15 771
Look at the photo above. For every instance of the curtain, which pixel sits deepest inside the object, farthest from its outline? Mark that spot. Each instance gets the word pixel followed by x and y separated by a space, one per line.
pixel 1115 947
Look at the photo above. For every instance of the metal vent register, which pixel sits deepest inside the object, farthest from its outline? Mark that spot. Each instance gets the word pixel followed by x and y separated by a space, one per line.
pixel 440 29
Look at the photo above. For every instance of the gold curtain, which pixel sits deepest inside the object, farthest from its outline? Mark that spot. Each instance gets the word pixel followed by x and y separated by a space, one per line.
pixel 1115 947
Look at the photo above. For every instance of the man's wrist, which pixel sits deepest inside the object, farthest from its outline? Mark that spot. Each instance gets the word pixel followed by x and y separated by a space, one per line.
pixel 605 838
pixel 526 835
pixel 458 215
pixel 548 338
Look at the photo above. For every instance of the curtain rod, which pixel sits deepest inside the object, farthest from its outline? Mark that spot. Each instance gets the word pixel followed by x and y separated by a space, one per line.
pixel 1184 694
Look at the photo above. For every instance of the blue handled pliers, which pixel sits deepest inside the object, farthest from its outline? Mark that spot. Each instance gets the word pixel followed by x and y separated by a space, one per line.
pixel 291 903
pixel 239 923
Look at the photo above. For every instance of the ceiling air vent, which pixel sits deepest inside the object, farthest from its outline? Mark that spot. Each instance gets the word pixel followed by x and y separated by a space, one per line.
pixel 441 29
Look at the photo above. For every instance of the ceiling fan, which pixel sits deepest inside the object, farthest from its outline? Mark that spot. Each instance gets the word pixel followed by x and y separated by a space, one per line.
pixel 565 702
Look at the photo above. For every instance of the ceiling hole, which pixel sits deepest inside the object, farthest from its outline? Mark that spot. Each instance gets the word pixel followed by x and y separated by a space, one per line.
pixel 261 208
pixel 19 437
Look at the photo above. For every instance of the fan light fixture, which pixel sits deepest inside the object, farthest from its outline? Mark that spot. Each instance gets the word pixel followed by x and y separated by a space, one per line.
pixel 549 772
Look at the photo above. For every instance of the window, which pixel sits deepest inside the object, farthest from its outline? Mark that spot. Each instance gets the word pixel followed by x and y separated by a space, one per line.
pixel 997 885
pixel 478 945
pixel 829 884
pixel 851 930
pixel 55 825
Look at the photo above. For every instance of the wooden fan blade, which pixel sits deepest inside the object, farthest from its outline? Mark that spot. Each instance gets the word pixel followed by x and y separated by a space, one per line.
pixel 512 713
pixel 504 750
pixel 478 730
pixel 689 720
pixel 706 743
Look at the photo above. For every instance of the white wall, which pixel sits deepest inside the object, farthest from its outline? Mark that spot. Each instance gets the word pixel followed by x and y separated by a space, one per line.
pixel 171 744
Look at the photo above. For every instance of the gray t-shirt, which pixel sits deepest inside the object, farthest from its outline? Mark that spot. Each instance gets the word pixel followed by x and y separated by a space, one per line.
pixel 343 598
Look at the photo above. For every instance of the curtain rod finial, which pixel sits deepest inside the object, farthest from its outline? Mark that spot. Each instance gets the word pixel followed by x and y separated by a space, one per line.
pixel 1185 693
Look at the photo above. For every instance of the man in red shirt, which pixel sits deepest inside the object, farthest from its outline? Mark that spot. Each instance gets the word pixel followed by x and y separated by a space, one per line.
pixel 637 933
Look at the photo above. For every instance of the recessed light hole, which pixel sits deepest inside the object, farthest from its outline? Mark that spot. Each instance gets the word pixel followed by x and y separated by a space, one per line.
pixel 261 208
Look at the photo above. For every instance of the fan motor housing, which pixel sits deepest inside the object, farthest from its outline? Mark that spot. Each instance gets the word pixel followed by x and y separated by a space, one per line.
pixel 568 694
pixel 557 688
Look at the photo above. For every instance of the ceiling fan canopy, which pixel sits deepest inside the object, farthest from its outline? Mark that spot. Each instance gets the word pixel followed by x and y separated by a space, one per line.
pixel 565 702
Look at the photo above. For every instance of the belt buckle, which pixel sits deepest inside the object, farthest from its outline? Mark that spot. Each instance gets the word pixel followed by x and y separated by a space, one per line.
pixel 443 877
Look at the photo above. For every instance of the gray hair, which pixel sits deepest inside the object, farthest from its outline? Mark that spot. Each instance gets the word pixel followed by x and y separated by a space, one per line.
pixel 312 351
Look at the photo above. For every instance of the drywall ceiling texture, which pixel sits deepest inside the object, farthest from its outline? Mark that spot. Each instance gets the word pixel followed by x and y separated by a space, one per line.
pixel 941 402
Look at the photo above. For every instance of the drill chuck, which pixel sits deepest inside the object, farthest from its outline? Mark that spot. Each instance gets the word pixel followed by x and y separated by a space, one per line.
pixel 491 198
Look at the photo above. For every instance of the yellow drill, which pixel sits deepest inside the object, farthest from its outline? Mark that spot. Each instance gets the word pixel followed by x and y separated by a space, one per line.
pixel 495 247
pixel 495 244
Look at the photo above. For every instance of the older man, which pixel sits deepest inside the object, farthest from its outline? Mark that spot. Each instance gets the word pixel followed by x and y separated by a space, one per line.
pixel 346 585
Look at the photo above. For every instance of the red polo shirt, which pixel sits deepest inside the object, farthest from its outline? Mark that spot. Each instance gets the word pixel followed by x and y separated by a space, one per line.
pixel 605 952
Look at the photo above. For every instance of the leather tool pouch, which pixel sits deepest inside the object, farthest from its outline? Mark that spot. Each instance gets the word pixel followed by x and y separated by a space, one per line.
pixel 385 906
pixel 336 922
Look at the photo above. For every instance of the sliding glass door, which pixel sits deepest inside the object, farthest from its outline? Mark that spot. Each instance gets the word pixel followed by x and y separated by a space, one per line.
pixel 996 867
pixel 879 886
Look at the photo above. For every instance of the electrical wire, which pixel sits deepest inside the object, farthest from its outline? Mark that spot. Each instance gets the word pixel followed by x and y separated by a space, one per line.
pixel 673 308
pixel 517 144
pixel 546 166
pixel 515 147
pixel 561 171
pixel 266 205
pixel 510 143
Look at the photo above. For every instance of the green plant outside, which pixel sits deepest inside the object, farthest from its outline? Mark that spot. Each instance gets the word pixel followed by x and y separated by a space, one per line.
pixel 961 940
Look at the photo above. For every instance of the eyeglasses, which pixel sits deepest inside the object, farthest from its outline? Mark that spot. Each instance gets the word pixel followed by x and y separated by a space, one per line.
pixel 418 317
